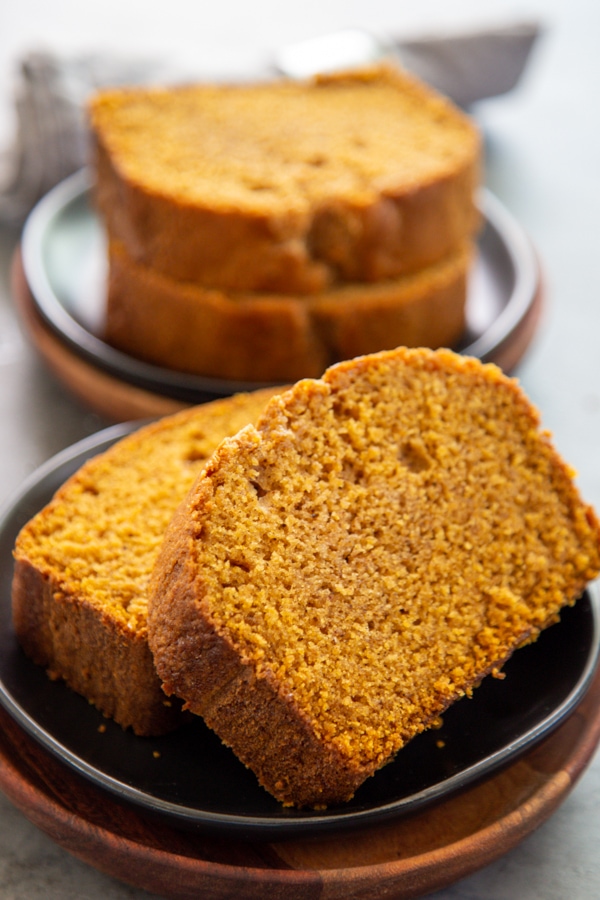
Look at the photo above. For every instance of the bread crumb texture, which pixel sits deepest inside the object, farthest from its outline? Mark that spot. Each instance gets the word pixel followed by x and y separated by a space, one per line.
pixel 240 146
pixel 82 564
pixel 382 540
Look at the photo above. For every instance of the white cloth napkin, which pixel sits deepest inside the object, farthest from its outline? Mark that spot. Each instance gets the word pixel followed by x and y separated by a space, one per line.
pixel 51 140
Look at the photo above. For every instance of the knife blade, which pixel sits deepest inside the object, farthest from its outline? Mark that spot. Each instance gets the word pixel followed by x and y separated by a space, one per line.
pixel 467 66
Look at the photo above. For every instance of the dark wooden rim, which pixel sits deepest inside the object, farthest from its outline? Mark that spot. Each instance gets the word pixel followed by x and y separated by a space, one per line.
pixel 449 841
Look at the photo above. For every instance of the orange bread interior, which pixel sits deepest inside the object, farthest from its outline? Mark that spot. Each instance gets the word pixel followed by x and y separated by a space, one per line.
pixel 383 539
pixel 285 185
pixel 82 564
pixel 276 337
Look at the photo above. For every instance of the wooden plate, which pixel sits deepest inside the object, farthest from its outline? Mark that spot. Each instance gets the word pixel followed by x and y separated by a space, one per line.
pixel 401 859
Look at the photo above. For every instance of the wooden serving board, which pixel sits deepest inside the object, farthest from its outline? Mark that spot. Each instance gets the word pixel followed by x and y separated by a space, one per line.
pixel 404 858
pixel 119 401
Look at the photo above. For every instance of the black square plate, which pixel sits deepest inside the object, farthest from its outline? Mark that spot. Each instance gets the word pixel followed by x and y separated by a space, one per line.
pixel 190 780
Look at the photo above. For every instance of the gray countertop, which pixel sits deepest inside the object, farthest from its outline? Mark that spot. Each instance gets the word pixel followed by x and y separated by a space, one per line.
pixel 543 156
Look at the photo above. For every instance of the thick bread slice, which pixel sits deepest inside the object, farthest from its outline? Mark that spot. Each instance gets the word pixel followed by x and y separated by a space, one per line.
pixel 286 186
pixel 383 539
pixel 82 564
pixel 277 337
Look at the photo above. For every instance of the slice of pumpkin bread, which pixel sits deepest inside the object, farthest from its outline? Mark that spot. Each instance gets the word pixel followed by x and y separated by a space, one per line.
pixel 279 337
pixel 82 564
pixel 341 573
pixel 286 186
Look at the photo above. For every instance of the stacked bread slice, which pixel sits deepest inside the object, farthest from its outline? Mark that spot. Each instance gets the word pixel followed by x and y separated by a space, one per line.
pixel 384 538
pixel 264 231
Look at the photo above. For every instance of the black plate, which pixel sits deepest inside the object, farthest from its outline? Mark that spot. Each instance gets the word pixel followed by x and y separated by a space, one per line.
pixel 196 782
pixel 64 259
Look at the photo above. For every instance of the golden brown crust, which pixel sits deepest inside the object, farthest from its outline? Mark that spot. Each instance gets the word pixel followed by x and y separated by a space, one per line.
pixel 82 563
pixel 260 337
pixel 383 539
pixel 279 237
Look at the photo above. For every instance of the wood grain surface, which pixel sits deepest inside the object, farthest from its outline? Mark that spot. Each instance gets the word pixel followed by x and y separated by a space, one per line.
pixel 403 858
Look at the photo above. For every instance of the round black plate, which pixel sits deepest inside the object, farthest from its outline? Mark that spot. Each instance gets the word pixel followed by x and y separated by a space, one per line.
pixel 190 780
pixel 64 259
